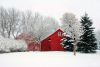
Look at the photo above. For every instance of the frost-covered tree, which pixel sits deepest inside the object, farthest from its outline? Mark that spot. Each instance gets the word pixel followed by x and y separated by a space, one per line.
pixel 87 39
pixel 71 25
pixel 47 27
pixel 3 21
pixel 13 22
pixel 9 22
pixel 27 22
pixel 38 26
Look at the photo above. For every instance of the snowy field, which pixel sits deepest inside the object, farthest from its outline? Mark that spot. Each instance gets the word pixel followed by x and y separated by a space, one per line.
pixel 49 59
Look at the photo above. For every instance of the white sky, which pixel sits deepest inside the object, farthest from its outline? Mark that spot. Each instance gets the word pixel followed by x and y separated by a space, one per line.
pixel 56 8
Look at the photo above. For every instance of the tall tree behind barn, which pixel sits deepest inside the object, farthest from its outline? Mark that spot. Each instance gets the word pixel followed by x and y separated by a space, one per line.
pixel 9 22
pixel 38 25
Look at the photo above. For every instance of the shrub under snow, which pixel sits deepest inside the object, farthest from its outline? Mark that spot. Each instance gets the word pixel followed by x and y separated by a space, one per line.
pixel 10 45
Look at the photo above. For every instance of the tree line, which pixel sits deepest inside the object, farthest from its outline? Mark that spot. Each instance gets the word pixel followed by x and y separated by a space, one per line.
pixel 14 22
pixel 82 33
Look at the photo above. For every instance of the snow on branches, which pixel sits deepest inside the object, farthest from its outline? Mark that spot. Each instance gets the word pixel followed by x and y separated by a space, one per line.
pixel 10 45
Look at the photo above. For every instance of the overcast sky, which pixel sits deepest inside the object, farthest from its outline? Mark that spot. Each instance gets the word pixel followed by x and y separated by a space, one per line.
pixel 56 8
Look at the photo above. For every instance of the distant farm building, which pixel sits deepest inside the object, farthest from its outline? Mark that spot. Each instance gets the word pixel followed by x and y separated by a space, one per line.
pixel 32 44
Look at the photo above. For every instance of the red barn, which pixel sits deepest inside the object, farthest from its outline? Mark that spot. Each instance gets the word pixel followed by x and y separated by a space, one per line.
pixel 53 42
pixel 32 45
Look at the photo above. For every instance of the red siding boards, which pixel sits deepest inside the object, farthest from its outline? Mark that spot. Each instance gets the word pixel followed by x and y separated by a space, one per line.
pixel 33 47
pixel 53 42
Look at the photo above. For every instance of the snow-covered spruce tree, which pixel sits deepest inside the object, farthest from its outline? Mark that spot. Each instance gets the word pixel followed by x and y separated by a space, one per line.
pixel 87 39
pixel 68 44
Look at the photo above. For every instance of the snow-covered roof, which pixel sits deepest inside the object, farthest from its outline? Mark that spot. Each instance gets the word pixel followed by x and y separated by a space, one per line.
pixel 51 33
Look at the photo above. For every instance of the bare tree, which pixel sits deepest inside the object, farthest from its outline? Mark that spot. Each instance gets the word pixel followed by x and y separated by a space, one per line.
pixel 38 25
pixel 26 20
pixel 46 27
pixel 13 22
pixel 3 21
pixel 9 22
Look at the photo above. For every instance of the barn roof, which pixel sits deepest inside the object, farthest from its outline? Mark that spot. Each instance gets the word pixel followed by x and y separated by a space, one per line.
pixel 52 34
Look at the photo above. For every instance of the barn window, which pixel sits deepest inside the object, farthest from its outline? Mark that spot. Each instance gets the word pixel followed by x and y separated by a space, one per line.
pixel 49 39
pixel 59 33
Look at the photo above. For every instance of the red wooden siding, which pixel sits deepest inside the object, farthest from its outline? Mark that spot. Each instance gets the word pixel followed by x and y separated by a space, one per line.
pixel 33 47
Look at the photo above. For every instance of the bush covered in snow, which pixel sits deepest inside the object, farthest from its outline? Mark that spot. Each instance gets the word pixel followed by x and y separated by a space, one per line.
pixel 10 45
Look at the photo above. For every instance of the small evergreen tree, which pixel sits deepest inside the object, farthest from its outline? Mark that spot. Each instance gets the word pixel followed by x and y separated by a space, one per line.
pixel 68 44
pixel 87 39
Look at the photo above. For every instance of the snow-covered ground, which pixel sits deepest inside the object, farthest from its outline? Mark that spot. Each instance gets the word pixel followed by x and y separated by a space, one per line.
pixel 49 59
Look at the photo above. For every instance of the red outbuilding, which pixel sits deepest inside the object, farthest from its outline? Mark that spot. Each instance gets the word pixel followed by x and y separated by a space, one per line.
pixel 53 42
pixel 32 44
